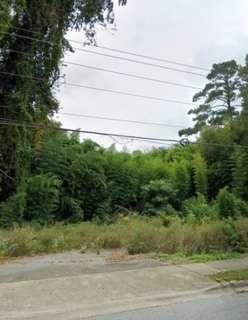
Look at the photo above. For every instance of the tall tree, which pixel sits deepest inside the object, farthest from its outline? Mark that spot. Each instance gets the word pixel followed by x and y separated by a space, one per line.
pixel 219 96
pixel 217 147
pixel 32 45
pixel 240 136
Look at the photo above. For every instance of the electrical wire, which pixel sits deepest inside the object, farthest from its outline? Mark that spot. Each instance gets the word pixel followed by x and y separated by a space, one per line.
pixel 107 55
pixel 87 116
pixel 120 120
pixel 175 84
pixel 123 51
pixel 135 76
pixel 138 62
pixel 10 122
pixel 151 58
pixel 102 89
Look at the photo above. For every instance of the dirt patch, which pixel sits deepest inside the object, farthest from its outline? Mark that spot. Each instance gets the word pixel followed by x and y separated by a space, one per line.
pixel 122 255
pixel 71 264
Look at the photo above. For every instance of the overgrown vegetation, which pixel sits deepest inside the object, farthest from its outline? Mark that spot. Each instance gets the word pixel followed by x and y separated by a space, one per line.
pixel 182 258
pixel 232 275
pixel 136 234
pixel 73 181
pixel 191 199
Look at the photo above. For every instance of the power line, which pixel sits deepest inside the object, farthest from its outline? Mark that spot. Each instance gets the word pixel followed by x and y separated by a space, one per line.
pixel 7 121
pixel 127 52
pixel 10 122
pixel 87 116
pixel 139 62
pixel 124 93
pixel 152 58
pixel 135 76
pixel 120 120
pixel 110 56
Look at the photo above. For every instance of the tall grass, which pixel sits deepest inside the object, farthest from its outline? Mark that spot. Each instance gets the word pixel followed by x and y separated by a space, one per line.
pixel 137 234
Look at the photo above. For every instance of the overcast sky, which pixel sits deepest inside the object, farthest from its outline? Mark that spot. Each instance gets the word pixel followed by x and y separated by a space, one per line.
pixel 188 31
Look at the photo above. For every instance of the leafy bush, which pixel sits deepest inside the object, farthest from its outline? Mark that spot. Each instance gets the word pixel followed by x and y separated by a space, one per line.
pixel 169 217
pixel 70 209
pixel 142 242
pixel 200 174
pixel 20 242
pixel 42 197
pixel 181 180
pixel 242 207
pixel 157 195
pixel 197 208
pixel 233 236
pixel 229 205
pixel 12 210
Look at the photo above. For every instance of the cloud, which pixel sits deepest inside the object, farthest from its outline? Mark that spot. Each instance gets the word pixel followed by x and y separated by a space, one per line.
pixel 194 32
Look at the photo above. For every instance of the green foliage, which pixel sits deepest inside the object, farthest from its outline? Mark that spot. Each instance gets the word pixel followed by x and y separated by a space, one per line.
pixel 229 205
pixel 181 179
pixel 5 16
pixel 137 234
pixel 200 174
pixel 220 95
pixel 26 99
pixel 197 209
pixel 182 258
pixel 48 175
pixel 42 198
pixel 169 217
pixel 240 173
pixel 231 275
pixel 217 147
pixel 234 240
pixel 157 195
pixel 70 209
pixel 122 177
pixel 12 210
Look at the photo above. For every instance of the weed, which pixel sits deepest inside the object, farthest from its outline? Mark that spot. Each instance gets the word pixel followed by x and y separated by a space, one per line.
pixel 136 234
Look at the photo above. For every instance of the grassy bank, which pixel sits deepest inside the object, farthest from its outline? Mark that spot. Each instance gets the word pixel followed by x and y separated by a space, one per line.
pixel 136 234
pixel 233 275
pixel 182 258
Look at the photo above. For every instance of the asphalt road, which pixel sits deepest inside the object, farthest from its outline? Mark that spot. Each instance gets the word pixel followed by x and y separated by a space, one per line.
pixel 226 307
pixel 73 286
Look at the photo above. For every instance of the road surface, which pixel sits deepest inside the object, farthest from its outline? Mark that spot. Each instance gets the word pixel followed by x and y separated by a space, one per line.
pixel 225 307
pixel 75 286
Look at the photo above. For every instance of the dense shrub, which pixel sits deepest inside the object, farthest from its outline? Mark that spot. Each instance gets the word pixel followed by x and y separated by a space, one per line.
pixel 70 209
pixel 42 198
pixel 72 181
pixel 158 195
pixel 12 210
pixel 137 234
pixel 143 240
pixel 197 208
pixel 200 175
pixel 229 205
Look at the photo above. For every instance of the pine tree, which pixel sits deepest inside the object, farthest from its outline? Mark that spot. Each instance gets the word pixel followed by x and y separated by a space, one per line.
pixel 220 98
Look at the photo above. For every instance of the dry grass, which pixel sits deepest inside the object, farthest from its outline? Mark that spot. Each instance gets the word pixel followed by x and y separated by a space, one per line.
pixel 137 235
pixel 122 255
